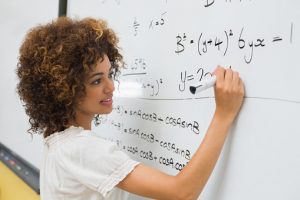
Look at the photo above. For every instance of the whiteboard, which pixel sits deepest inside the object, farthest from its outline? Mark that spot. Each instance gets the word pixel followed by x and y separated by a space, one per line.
pixel 169 46
pixel 16 18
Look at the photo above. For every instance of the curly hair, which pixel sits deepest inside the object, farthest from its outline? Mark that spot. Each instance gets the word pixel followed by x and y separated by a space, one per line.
pixel 53 63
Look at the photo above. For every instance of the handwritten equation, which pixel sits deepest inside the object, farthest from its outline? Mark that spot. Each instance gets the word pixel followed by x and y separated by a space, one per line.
pixel 169 154
pixel 146 154
pixel 137 66
pixel 205 43
pixel 188 76
pixel 137 71
pixel 152 25
pixel 152 117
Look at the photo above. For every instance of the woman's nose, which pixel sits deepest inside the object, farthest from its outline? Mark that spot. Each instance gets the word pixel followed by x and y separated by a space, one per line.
pixel 109 86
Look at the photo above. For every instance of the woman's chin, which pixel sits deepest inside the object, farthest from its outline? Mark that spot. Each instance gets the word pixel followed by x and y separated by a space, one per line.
pixel 105 112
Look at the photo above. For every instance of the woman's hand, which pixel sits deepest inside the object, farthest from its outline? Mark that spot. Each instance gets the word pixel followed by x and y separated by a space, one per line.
pixel 229 93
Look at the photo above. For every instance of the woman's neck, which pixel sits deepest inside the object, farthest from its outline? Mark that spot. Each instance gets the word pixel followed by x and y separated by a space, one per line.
pixel 84 122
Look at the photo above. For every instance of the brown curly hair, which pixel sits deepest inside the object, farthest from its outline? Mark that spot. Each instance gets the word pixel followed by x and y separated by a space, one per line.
pixel 53 63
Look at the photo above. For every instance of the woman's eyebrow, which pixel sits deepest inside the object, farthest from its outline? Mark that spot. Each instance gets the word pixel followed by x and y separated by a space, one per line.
pixel 96 74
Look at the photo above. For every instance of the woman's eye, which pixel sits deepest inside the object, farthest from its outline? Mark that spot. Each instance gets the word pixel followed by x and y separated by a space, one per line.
pixel 96 82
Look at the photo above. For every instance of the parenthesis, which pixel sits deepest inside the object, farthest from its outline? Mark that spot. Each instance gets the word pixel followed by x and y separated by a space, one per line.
pixel 227 43
pixel 157 88
pixel 199 44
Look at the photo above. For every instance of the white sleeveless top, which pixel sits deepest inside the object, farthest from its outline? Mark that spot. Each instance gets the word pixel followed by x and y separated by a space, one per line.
pixel 80 166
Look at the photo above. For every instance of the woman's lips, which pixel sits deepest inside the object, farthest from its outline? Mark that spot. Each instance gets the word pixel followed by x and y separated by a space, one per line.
pixel 107 102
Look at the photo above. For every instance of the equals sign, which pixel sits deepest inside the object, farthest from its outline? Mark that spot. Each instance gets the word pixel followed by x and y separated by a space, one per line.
pixel 275 39
pixel 190 77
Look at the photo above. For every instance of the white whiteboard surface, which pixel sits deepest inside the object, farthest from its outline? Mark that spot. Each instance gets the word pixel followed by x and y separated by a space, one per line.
pixel 169 46
pixel 16 18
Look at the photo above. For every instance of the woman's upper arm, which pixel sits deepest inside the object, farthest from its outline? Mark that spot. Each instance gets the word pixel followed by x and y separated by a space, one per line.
pixel 152 183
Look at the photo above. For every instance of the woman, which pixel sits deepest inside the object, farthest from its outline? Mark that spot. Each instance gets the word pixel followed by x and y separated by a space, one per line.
pixel 65 70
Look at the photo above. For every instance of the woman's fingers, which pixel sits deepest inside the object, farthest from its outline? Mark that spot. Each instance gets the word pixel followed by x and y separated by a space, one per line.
pixel 220 74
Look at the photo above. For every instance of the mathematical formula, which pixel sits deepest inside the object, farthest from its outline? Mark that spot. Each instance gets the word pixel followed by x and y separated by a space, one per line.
pixel 230 38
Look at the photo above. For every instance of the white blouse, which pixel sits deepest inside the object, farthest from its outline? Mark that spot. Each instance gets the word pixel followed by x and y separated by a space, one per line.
pixel 80 166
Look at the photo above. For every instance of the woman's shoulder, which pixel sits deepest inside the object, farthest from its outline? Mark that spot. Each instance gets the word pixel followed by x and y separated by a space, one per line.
pixel 78 138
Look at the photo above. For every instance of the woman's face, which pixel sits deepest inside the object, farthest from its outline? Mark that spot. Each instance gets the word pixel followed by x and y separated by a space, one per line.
pixel 99 88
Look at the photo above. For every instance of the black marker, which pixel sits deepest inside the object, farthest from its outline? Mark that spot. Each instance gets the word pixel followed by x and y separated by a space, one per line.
pixel 204 84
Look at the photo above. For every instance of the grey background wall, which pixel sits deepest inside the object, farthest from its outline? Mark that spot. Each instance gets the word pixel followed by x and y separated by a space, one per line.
pixel 16 17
